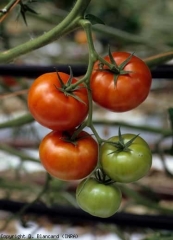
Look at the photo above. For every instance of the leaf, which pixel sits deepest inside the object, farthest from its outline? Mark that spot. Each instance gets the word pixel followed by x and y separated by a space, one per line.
pixel 93 19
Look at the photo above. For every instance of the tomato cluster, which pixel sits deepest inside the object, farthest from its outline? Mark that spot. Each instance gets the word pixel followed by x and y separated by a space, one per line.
pixel 119 82
pixel 63 155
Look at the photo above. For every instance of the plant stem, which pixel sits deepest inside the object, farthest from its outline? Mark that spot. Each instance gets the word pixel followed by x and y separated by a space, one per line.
pixel 124 37
pixel 111 32
pixel 93 56
pixel 23 156
pixel 90 121
pixel 12 93
pixel 68 24
pixel 24 119
pixel 145 128
pixel 19 214
pixel 154 61
pixel 4 12
pixel 141 200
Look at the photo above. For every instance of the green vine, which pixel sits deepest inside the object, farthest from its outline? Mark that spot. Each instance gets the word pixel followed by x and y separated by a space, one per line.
pixel 70 22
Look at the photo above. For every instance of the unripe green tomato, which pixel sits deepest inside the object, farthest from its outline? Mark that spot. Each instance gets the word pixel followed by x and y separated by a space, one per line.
pixel 126 166
pixel 97 198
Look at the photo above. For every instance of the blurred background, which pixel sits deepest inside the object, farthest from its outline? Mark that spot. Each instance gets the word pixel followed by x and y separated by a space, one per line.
pixel 142 27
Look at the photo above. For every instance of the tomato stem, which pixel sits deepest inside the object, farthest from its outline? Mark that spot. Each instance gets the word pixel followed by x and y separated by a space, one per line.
pixel 5 11
pixel 68 24
pixel 101 177
pixel 78 130
pixel 93 57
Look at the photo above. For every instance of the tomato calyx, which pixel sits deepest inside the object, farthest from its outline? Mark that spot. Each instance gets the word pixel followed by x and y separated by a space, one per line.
pixel 117 70
pixel 121 145
pixel 101 177
pixel 68 137
pixel 65 86
pixel 72 137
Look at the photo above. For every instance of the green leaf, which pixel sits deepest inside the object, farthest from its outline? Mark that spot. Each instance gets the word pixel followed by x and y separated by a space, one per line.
pixel 93 19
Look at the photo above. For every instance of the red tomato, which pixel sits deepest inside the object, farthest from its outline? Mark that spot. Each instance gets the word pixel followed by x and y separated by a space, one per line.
pixel 54 109
pixel 9 81
pixel 125 92
pixel 67 160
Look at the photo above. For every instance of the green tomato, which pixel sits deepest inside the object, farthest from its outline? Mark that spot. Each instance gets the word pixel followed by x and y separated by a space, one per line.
pixel 97 198
pixel 126 162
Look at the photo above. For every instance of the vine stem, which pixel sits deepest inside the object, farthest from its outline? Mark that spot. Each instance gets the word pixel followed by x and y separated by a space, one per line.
pixel 14 94
pixel 93 57
pixel 5 11
pixel 158 59
pixel 70 22
pixel 142 200
pixel 26 206
pixel 22 155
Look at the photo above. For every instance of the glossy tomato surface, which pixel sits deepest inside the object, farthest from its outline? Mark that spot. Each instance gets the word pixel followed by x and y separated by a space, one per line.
pixel 97 198
pixel 127 91
pixel 54 109
pixel 67 160
pixel 126 165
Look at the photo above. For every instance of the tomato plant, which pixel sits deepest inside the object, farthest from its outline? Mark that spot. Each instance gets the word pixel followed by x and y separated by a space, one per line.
pixel 68 159
pixel 125 86
pixel 98 199
pixel 53 106
pixel 126 158
pixel 118 82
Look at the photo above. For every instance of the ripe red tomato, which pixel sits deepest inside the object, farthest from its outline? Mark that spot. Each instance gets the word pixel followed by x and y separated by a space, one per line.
pixel 54 109
pixel 128 90
pixel 67 160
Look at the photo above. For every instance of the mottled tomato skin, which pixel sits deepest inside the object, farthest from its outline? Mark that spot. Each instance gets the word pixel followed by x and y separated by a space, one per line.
pixel 98 199
pixel 129 91
pixel 68 161
pixel 126 166
pixel 54 109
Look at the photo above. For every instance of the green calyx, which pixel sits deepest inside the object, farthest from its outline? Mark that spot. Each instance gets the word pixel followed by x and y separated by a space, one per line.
pixel 117 70
pixel 73 137
pixel 121 145
pixel 68 137
pixel 64 86
pixel 101 177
